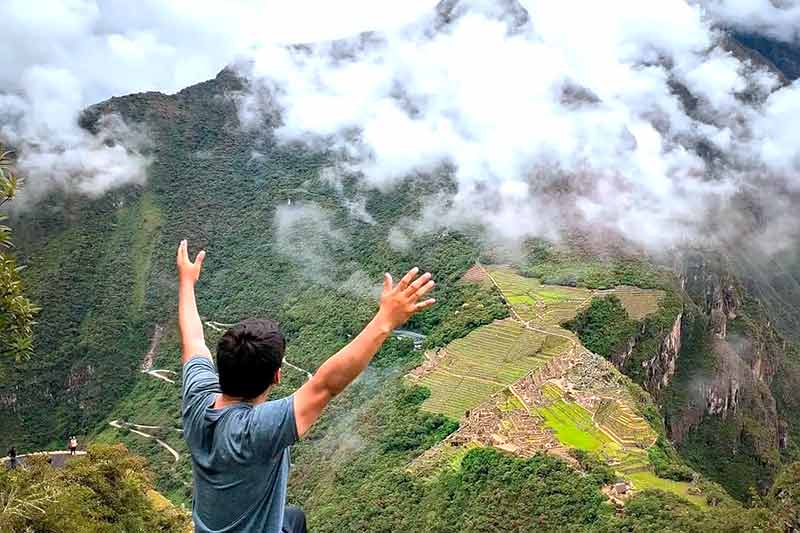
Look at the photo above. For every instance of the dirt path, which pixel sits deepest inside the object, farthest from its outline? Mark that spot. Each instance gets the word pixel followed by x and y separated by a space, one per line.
pixel 130 427
pixel 221 327
pixel 159 373
pixel 59 457
pixel 155 341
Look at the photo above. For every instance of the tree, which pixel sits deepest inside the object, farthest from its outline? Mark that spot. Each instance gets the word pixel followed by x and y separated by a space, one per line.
pixel 784 499
pixel 16 311
pixel 107 490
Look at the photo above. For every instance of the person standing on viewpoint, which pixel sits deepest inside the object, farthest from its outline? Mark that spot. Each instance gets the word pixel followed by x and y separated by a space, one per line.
pixel 73 445
pixel 239 441
pixel 12 458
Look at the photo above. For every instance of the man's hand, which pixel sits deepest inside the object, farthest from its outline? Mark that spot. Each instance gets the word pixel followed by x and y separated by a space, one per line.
pixel 188 271
pixel 399 302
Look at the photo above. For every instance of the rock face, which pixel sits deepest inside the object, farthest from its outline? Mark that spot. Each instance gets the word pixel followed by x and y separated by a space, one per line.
pixel 661 368
pixel 784 56
pixel 745 354
pixel 723 376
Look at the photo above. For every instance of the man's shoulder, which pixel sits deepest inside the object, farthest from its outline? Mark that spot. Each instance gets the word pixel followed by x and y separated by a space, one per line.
pixel 199 361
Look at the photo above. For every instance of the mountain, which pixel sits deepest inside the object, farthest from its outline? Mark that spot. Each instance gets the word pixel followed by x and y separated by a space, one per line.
pixel 784 56
pixel 577 385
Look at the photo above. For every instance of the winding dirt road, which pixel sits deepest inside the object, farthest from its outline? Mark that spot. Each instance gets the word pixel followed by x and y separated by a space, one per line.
pixel 130 427
pixel 159 373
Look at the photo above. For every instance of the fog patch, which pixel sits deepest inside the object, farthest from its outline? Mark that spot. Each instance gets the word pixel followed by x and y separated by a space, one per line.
pixel 549 125
pixel 307 236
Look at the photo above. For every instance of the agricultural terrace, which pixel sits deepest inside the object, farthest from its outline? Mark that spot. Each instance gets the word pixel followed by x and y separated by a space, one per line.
pixel 476 274
pixel 623 448
pixel 485 361
pixel 490 358
pixel 556 304
pixel 647 480
pixel 532 301
pixel 626 427
pixel 637 302
pixel 572 424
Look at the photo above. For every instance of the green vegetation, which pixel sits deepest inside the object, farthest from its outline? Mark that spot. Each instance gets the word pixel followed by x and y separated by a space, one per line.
pixel 102 270
pixel 107 490
pixel 653 329
pixel 468 306
pixel 647 480
pixel 566 266
pixel 571 423
pixel 666 462
pixel 16 311
pixel 604 327
pixel 784 498
pixel 533 301
pixel 357 479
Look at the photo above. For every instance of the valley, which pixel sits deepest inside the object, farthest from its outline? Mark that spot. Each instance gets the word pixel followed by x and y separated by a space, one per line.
pixel 614 343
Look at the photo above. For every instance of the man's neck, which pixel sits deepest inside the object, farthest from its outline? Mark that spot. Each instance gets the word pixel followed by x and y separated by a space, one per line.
pixel 223 400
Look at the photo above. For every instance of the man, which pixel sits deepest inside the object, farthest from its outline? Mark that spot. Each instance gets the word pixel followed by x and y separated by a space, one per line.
pixel 12 458
pixel 73 445
pixel 240 442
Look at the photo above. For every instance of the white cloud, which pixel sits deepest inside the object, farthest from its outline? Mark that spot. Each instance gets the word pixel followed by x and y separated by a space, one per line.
pixel 779 19
pixel 572 117
pixel 777 136
pixel 307 235
pixel 61 56
pixel 490 103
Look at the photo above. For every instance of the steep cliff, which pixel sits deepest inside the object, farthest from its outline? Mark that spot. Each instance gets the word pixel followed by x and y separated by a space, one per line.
pixel 718 369
pixel 661 367
pixel 721 403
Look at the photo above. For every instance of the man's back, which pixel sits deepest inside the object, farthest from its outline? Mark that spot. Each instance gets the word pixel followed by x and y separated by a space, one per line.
pixel 240 455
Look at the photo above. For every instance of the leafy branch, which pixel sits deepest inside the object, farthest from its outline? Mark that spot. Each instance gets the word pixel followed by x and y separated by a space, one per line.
pixel 16 311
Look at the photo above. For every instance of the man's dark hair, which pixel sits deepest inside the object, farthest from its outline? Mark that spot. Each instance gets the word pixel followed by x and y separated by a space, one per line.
pixel 248 357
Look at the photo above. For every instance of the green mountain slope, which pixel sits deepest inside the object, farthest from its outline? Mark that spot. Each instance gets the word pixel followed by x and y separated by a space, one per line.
pixel 283 242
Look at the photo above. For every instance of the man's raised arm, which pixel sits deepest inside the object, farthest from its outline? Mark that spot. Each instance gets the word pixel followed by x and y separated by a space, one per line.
pixel 192 338
pixel 398 303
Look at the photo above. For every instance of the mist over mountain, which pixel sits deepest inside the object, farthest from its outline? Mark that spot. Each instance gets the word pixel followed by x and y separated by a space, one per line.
pixel 646 123
pixel 606 194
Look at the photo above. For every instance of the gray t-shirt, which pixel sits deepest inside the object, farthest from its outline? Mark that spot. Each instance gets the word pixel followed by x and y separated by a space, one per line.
pixel 240 455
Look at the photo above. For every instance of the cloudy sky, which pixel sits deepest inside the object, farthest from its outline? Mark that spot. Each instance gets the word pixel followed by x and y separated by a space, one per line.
pixel 583 93
pixel 63 55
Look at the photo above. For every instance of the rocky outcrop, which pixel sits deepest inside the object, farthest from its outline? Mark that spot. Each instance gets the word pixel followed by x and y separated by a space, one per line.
pixel 619 358
pixel 661 367
pixel 8 400
pixel 78 377
pixel 721 297
pixel 745 354
pixel 713 288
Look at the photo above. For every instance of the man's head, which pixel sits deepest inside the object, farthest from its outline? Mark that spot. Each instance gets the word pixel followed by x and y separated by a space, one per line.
pixel 249 358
